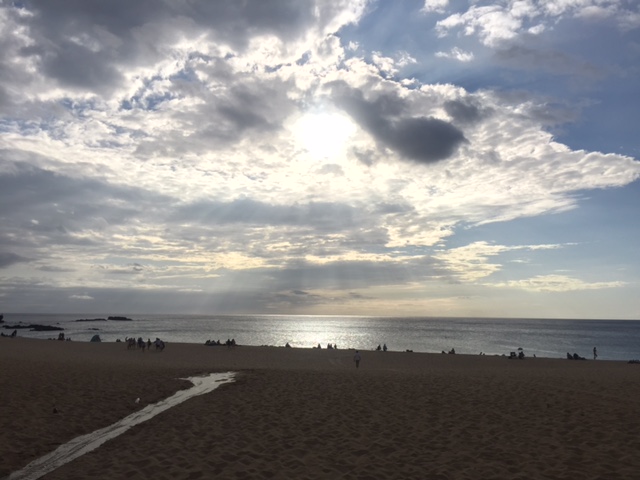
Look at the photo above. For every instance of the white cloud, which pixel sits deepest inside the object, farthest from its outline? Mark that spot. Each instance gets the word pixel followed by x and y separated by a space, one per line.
pixel 385 64
pixel 438 6
pixel 456 54
pixel 404 59
pixel 81 297
pixel 500 22
pixel 471 262
pixel 556 283
pixel 173 157
pixel 391 66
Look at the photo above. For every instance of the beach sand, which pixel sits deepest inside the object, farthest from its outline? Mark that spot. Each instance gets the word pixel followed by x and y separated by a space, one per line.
pixel 306 413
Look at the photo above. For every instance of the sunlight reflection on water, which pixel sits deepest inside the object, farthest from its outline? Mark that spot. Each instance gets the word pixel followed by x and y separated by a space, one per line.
pixel 615 339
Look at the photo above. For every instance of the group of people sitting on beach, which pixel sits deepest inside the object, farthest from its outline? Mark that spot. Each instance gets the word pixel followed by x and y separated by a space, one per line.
pixel 383 348
pixel 214 343
pixel 13 334
pixel 575 356
pixel 139 343
pixel 330 346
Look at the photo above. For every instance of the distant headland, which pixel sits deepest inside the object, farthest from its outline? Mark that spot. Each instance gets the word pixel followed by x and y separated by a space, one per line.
pixel 33 327
pixel 118 319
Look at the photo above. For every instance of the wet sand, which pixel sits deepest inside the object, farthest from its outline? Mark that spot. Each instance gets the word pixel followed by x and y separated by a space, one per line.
pixel 305 413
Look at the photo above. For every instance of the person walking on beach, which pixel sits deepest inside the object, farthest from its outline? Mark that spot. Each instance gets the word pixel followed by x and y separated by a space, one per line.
pixel 595 353
pixel 356 358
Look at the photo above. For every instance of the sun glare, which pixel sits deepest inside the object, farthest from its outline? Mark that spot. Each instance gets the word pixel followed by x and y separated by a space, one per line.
pixel 324 135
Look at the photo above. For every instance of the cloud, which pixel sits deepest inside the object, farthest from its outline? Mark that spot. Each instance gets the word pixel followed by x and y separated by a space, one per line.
pixel 555 62
pixel 45 209
pixel 391 66
pixel 422 139
pixel 456 54
pixel 438 6
pixel 323 216
pixel 86 45
pixel 168 157
pixel 50 268
pixel 9 258
pixel 463 112
pixel 470 262
pixel 81 297
pixel 498 23
pixel 556 283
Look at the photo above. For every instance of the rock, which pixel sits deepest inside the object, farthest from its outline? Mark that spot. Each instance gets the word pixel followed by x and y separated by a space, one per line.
pixel 34 327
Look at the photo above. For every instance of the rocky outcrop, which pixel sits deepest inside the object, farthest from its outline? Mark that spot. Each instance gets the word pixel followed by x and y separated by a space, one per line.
pixel 34 327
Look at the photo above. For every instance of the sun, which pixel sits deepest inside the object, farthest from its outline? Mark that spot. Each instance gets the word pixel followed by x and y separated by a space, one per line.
pixel 324 135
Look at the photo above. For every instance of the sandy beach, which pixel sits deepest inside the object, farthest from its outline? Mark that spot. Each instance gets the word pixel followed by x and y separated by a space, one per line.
pixel 306 413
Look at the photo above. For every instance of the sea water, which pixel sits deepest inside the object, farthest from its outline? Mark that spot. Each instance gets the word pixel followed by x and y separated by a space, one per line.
pixel 614 339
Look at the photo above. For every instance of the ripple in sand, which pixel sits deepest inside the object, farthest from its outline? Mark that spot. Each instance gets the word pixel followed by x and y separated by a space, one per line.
pixel 86 443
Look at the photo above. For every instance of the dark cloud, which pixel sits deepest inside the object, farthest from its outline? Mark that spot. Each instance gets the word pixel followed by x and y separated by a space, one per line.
pixel 260 290
pixel 391 208
pixel 41 207
pixel 224 116
pixel 5 100
pixel 77 66
pixel 555 62
pixel 82 43
pixel 293 301
pixel 350 275
pixel 49 268
pixel 366 157
pixel 463 112
pixel 425 140
pixel 9 258
pixel 421 139
pixel 331 169
pixel 248 105
pixel 131 269
pixel 549 111
pixel 43 196
pixel 323 216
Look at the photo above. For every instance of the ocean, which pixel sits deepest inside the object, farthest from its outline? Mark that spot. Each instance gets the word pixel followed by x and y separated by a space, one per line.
pixel 614 339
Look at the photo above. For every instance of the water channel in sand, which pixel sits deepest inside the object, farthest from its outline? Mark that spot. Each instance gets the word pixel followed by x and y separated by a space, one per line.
pixel 86 443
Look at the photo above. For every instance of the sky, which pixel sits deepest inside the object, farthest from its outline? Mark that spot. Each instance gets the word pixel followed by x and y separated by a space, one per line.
pixel 463 158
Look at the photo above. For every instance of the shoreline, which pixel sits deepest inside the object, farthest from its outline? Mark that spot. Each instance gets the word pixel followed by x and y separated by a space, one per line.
pixel 544 338
pixel 309 413
pixel 314 348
